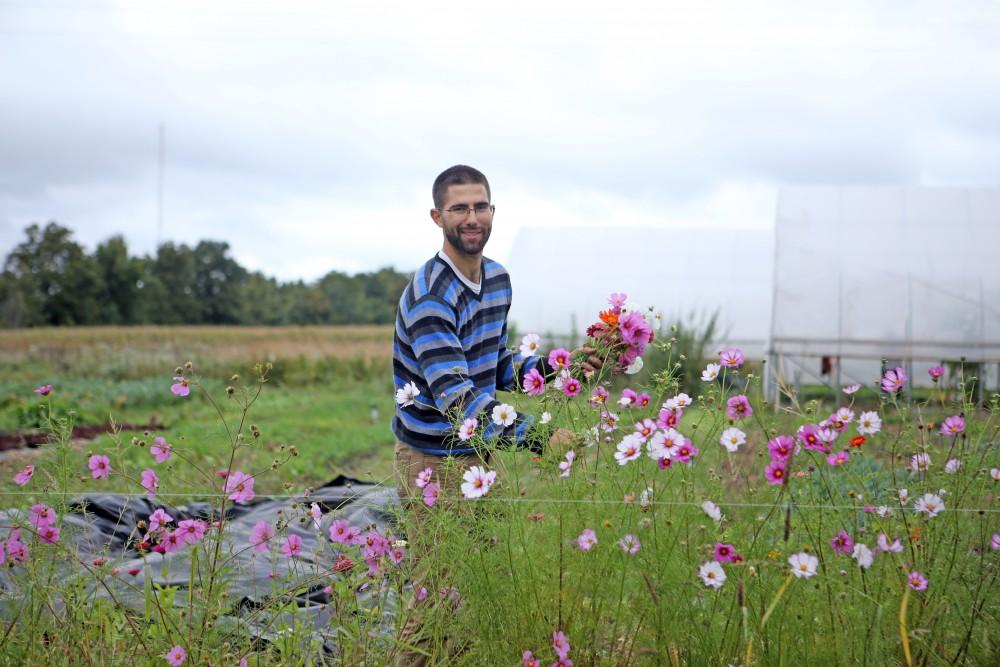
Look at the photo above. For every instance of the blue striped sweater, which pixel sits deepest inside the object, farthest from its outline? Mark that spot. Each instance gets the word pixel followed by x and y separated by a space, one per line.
pixel 452 343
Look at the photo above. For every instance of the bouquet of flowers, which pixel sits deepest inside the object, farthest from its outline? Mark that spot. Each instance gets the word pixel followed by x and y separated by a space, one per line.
pixel 621 334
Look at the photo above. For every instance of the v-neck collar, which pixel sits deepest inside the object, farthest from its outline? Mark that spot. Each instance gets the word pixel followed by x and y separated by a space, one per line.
pixel 476 290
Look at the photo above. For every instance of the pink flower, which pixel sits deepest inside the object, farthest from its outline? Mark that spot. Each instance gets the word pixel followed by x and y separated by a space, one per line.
pixel 808 435
pixel 560 644
pixel 738 407
pixel 851 389
pixel 263 533
pixel 667 419
pixel 842 543
pixel 883 544
pixel 25 475
pixel 645 428
pixel 192 530
pixel 468 429
pixel 42 515
pixel 571 387
pixel 599 397
pixel 239 486
pixel 838 459
pixel 150 481
pixel 725 553
pixel 686 451
pixel 173 541
pixel 636 331
pixel 953 425
pixel 375 544
pixel 100 466
pixel 617 301
pixel 431 494
pixel 893 380
pixel 48 534
pixel 628 449
pixel 477 482
pixel 423 478
pixel 567 464
pixel 396 555
pixel 529 660
pixel 422 594
pixel 559 359
pixel 292 546
pixel 996 541
pixel 339 531
pixel 175 656
pixel 776 472
pixel 609 421
pixel 181 386
pixel 628 398
pixel 17 551
pixel 630 544
pixel 731 358
pixel 917 581
pixel 781 447
pixel 936 372
pixel 44 390
pixel 158 519
pixel 587 539
pixel 534 383
pixel 160 449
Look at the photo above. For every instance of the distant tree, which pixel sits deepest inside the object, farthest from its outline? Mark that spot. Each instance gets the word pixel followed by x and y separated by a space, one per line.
pixel 121 282
pixel 218 283
pixel 173 278
pixel 261 301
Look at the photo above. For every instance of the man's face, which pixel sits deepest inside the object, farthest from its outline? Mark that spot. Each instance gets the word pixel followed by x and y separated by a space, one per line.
pixel 468 232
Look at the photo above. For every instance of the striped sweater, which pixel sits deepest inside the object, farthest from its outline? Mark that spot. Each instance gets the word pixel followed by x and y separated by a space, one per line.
pixel 452 343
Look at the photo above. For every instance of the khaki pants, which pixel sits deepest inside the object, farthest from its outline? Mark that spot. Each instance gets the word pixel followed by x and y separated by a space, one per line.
pixel 408 462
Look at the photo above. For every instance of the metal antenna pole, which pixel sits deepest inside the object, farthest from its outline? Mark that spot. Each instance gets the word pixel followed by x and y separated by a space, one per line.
pixel 159 185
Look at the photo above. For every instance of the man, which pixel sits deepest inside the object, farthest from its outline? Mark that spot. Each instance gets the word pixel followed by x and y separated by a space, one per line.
pixel 451 345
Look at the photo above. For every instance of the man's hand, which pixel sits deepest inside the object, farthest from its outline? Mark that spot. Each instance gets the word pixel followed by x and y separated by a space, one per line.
pixel 591 362
pixel 563 439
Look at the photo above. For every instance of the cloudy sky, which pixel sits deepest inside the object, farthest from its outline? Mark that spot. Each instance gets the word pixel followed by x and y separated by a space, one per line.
pixel 307 134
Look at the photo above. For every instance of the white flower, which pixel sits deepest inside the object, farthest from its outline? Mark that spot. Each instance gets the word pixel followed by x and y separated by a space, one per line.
pixel 645 497
pixel 863 555
pixel 468 429
pixel 564 375
pixel 710 373
pixel 732 438
pixel 546 418
pixel 405 396
pixel 883 544
pixel 952 466
pixel 869 423
pixel 929 503
pixel 995 474
pixel 592 436
pixel 664 444
pixel 803 565
pixel 504 415
pixel 567 464
pixel 634 367
pixel 629 448
pixel 920 462
pixel 712 574
pixel 315 513
pixel 678 402
pixel 477 482
pixel 844 415
pixel 904 495
pixel 851 388
pixel 712 510
pixel 883 511
pixel 529 345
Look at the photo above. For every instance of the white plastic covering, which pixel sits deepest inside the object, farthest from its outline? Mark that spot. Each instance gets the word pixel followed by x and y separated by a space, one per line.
pixel 562 278
pixel 900 273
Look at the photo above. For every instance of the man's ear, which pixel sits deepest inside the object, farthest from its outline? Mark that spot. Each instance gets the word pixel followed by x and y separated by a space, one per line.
pixel 436 217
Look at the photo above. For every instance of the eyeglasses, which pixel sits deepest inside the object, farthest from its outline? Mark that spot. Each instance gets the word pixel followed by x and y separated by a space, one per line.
pixel 482 210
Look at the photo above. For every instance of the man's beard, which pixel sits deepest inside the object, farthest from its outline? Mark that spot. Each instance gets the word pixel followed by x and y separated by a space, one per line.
pixel 469 247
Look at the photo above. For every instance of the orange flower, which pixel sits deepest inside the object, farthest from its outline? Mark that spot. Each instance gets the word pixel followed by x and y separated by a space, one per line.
pixel 857 441
pixel 915 533
pixel 609 318
pixel 536 517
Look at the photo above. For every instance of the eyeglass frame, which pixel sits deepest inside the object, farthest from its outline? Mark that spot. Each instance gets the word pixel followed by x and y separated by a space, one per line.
pixel 470 209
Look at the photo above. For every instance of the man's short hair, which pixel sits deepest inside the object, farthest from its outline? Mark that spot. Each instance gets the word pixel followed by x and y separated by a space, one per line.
pixel 460 174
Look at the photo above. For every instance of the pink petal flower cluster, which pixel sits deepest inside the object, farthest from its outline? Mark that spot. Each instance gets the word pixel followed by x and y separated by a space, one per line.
pixel 726 553
pixel 342 532
pixel 953 425
pixel 566 465
pixel 894 380
pixel 630 544
pixel 24 475
pixel 559 359
pixel 842 543
pixel 261 536
pixel 782 449
pixel 738 407
pixel 936 372
pixel 477 482
pixel 239 486
pixel 161 449
pixel 587 539
pixel 181 386
pixel 917 581
pixel 534 383
pixel 599 396
pixel 732 357
pixel 44 390
pixel 100 466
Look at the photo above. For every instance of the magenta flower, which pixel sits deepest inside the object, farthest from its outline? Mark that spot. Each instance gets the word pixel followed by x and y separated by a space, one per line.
pixel 725 553
pixel 529 660
pixel 534 383
pixel 161 449
pixel 172 541
pixel 599 397
pixel 339 531
pixel 953 425
pixel 48 534
pixel 42 515
pixel 617 301
pixel 936 372
pixel 431 494
pixel 468 429
pixel 668 419
pixel 838 459
pixel 396 555
pixel 25 475
pixel 776 472
pixel 587 539
pixel 239 486
pixel 996 541
pixel 17 550
pixel 150 482
pixel 175 656
pixel 686 451
pixel 630 544
pixel 262 534
pixel 158 519
pixel 808 435
pixel 842 543
pixel 423 478
pixel 781 447
pixel 629 397
pixel 292 546
pixel 559 359
pixel 44 390
pixel 560 644
pixel 731 358
pixel 571 387
pixel 636 331
pixel 894 380
pixel 192 530
pixel 645 428
pixel 181 386
pixel 100 466
pixel 738 407
pixel 917 581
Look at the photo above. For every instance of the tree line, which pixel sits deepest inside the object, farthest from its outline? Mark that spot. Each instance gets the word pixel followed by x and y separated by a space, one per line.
pixel 50 280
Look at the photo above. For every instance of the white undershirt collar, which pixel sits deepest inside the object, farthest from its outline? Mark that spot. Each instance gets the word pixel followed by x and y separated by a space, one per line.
pixel 475 287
